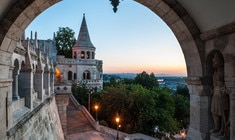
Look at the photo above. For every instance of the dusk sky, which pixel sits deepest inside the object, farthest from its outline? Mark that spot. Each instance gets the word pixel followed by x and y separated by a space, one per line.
pixel 130 41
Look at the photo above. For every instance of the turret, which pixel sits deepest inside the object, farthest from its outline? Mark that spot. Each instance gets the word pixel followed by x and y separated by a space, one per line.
pixel 83 48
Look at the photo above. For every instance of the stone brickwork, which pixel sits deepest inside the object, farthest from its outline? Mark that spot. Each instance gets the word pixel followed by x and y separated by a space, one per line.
pixel 42 124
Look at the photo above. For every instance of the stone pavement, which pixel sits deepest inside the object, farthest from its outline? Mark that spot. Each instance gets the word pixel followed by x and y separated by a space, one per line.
pixel 79 128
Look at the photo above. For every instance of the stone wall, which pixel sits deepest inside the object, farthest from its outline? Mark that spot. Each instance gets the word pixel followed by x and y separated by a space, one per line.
pixel 43 123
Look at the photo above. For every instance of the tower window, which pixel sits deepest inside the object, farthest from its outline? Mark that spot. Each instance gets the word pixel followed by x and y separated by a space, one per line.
pixel 70 75
pixel 88 55
pixel 86 75
pixel 75 55
pixel 83 54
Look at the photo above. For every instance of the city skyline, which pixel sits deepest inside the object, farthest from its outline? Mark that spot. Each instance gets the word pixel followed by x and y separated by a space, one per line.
pixel 130 41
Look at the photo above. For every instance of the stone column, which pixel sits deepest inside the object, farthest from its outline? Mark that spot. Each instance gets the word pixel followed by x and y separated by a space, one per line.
pixel 47 81
pixel 26 86
pixel 230 84
pixel 39 83
pixel 52 78
pixel 232 113
pixel 62 100
pixel 200 118
pixel 15 95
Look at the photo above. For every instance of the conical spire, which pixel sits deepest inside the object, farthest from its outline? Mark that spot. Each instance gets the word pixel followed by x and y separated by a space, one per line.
pixel 83 36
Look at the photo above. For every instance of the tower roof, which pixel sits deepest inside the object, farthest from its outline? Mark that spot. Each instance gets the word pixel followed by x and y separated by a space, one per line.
pixel 83 39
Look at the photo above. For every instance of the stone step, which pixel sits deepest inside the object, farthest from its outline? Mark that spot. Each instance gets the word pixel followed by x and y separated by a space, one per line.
pixel 77 122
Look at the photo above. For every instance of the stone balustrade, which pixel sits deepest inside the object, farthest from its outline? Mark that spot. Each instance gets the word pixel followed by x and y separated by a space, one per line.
pixel 62 60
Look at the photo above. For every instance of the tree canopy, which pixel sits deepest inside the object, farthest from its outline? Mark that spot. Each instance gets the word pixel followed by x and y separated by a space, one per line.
pixel 65 39
pixel 141 106
pixel 148 81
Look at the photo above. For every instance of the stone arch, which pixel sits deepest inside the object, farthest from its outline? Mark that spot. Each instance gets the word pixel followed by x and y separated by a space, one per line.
pixel 22 13
pixel 175 16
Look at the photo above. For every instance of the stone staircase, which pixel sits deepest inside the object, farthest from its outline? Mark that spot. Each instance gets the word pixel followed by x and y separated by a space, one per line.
pixel 76 121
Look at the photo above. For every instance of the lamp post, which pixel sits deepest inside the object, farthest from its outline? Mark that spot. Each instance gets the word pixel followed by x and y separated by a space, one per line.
pixel 89 98
pixel 96 109
pixel 117 121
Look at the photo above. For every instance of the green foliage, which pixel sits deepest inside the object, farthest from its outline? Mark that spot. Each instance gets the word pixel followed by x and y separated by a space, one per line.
pixel 146 80
pixel 80 93
pixel 128 81
pixel 165 106
pixel 64 41
pixel 182 103
pixel 141 108
pixel 182 90
pixel 104 123
pixel 132 102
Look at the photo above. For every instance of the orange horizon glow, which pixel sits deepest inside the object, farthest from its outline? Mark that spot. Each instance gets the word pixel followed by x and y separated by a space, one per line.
pixel 171 70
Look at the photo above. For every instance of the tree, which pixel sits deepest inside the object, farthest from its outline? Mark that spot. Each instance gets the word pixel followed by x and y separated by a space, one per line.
pixel 165 107
pixel 182 90
pixel 140 108
pixel 182 104
pixel 80 92
pixel 146 80
pixel 65 39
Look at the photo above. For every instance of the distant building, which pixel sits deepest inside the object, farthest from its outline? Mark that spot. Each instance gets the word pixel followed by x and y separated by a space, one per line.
pixel 82 67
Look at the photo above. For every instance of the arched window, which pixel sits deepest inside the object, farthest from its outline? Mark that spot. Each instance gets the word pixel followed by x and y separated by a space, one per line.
pixel 58 75
pixel 75 55
pixel 75 76
pixel 93 55
pixel 86 75
pixel 88 55
pixel 82 54
pixel 70 75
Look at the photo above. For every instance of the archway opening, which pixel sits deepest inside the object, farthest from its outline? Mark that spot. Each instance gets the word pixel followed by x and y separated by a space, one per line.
pixel 188 60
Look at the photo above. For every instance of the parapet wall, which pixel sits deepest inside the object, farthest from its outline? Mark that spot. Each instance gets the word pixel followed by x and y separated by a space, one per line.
pixel 42 123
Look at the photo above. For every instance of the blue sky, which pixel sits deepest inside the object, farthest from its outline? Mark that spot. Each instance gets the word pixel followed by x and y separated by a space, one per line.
pixel 134 39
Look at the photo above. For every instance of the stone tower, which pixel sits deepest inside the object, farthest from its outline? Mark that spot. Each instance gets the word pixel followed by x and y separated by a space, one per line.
pixel 82 67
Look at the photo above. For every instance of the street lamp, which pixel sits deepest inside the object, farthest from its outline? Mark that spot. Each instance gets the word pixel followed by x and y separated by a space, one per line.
pixel 89 98
pixel 182 133
pixel 117 121
pixel 96 109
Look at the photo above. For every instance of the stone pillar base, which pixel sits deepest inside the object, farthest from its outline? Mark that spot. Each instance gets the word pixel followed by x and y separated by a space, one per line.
pixel 212 137
pixel 196 135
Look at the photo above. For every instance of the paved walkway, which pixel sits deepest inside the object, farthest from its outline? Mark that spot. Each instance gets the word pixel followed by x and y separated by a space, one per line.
pixel 79 128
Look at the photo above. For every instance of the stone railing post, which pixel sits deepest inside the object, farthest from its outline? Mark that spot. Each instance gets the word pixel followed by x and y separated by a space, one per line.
pixel 230 85
pixel 63 93
pixel 15 94
pixel 62 101
pixel 200 118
